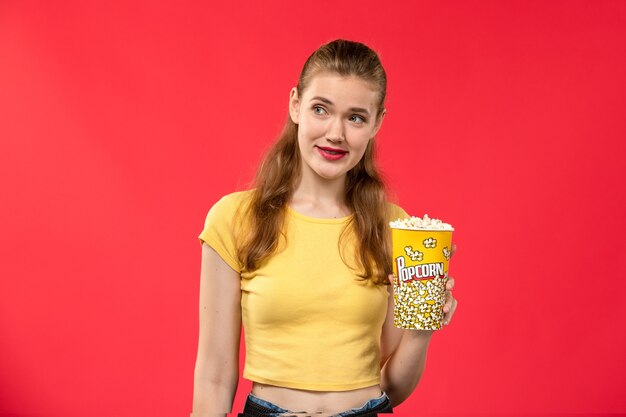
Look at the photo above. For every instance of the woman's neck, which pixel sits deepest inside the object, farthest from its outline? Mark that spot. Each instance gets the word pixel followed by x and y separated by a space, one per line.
pixel 318 197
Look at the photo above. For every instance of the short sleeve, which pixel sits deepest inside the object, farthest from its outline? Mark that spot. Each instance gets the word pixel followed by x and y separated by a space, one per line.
pixel 396 212
pixel 219 229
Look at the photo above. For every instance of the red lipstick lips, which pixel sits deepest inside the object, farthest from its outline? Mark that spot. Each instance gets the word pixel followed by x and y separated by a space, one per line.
pixel 331 154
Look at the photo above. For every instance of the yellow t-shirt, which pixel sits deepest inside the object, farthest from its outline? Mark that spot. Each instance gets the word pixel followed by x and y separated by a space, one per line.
pixel 308 324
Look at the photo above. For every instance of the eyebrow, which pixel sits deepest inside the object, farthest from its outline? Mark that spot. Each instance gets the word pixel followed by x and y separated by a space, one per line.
pixel 327 101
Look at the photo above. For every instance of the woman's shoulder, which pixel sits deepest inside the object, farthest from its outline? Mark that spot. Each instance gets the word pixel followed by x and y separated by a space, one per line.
pixel 229 204
pixel 236 198
pixel 395 212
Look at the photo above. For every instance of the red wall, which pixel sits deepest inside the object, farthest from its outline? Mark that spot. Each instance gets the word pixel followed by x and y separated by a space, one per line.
pixel 120 125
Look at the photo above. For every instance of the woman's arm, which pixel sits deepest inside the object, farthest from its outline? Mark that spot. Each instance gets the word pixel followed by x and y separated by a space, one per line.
pixel 402 371
pixel 403 357
pixel 216 374
pixel 403 352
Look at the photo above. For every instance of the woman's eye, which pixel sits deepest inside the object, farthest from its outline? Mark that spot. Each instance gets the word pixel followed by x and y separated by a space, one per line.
pixel 358 118
pixel 316 108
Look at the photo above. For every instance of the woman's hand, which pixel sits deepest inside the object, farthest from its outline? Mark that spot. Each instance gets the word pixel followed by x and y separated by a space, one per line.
pixel 450 306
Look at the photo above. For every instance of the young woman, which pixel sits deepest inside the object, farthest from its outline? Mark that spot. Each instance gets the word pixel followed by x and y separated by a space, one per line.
pixel 303 259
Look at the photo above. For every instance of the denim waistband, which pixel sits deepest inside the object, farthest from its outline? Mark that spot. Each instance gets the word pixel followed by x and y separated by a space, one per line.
pixel 256 406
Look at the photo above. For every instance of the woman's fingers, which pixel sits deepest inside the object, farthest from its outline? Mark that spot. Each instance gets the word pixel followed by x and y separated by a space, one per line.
pixel 449 308
pixel 450 305
pixel 449 302
pixel 450 284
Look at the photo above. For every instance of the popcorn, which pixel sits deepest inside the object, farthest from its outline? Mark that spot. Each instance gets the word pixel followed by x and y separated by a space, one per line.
pixel 420 223
pixel 414 255
pixel 431 242
pixel 419 304
pixel 421 254
pixel 446 253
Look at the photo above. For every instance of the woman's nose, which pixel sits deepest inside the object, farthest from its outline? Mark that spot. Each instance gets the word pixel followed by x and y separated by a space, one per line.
pixel 335 131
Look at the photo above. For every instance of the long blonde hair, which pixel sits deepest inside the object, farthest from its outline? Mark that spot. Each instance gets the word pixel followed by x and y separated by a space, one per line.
pixel 365 190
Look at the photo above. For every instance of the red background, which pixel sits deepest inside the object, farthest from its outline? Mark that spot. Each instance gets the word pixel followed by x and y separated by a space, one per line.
pixel 122 123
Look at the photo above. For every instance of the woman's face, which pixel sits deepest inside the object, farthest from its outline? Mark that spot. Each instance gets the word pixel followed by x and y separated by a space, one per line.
pixel 336 118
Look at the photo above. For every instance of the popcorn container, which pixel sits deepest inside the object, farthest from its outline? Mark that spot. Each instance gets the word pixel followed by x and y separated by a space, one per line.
pixel 420 272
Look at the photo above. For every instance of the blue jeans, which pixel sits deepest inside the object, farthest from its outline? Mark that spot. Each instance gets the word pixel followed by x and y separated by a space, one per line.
pixel 257 407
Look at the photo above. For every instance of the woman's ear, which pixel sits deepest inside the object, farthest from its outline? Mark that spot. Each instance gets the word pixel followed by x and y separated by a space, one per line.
pixel 379 122
pixel 294 105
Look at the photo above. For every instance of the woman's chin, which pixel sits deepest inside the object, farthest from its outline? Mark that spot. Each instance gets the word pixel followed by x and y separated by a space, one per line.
pixel 330 176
